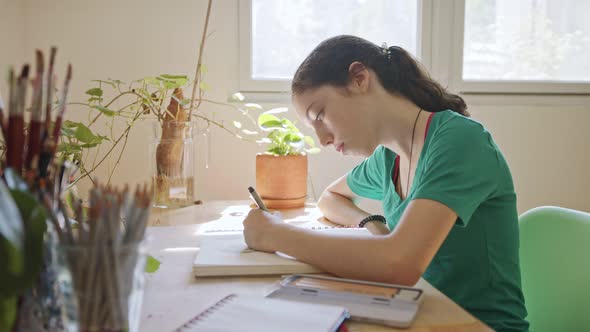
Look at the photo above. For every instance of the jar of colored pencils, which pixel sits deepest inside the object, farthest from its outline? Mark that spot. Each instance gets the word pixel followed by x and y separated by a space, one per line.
pixel 101 259
pixel 106 284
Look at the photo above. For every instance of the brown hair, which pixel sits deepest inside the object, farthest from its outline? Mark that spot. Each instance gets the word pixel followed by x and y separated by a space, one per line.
pixel 398 72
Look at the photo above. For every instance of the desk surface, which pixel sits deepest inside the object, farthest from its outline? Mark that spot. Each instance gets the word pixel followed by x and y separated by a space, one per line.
pixel 173 295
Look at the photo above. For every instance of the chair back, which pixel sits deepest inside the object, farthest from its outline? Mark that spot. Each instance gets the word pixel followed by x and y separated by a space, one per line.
pixel 555 265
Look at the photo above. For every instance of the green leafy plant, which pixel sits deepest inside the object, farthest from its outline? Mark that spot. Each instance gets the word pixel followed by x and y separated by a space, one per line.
pixel 22 226
pixel 284 138
pixel 115 102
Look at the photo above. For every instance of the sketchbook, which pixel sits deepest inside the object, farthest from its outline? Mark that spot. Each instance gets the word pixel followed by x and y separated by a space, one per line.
pixel 226 254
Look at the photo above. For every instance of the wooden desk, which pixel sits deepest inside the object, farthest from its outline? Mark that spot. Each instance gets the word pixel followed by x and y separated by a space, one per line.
pixel 173 295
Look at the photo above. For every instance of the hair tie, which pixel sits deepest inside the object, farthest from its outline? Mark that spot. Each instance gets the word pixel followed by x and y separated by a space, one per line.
pixel 390 51
pixel 386 51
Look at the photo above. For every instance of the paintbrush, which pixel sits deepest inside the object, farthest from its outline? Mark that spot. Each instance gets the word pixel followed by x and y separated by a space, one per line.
pixel 49 144
pixel 2 121
pixel 11 96
pixel 62 106
pixel 15 146
pixel 35 125
pixel 11 105
pixel 50 82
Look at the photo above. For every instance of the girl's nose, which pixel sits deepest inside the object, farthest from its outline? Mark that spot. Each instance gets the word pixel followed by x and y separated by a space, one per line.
pixel 325 139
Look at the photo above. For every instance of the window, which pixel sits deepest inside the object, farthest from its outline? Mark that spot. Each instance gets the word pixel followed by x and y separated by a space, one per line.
pixel 527 40
pixel 472 46
pixel 282 33
pixel 526 46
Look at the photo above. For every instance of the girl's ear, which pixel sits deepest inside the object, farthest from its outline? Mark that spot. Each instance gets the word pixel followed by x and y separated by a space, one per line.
pixel 359 77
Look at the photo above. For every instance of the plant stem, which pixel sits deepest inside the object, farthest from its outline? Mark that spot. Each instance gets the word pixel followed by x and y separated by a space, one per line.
pixel 199 59
pixel 221 126
pixel 228 105
pixel 120 155
pixel 86 174
pixel 96 155
pixel 112 101
pixel 94 167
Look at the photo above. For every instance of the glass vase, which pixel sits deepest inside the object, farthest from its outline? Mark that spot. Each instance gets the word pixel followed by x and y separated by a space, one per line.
pixel 172 163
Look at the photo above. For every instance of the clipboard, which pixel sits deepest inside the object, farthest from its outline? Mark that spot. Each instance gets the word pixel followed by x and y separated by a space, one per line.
pixel 372 302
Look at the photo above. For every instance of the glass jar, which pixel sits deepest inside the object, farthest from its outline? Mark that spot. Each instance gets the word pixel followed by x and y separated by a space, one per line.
pixel 105 284
pixel 173 163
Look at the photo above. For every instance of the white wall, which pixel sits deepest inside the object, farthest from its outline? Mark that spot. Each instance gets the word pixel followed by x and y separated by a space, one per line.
pixel 548 149
pixel 12 39
pixel 546 146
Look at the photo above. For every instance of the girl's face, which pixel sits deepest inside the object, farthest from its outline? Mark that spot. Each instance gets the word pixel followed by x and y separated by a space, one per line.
pixel 338 118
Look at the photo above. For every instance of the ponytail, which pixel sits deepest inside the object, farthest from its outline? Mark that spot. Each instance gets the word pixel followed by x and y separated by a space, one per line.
pixel 397 70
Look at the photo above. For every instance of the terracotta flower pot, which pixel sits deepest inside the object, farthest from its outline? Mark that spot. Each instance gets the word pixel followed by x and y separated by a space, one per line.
pixel 281 181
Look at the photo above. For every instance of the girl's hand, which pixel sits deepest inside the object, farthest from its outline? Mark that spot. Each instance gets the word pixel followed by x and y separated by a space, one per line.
pixel 259 226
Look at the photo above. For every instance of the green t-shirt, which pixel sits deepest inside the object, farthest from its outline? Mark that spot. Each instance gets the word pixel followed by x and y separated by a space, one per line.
pixel 460 166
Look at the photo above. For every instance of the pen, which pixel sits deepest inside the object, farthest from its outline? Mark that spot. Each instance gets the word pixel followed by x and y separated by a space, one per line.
pixel 257 199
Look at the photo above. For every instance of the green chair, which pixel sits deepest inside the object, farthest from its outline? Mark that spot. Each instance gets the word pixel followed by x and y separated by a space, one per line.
pixel 555 263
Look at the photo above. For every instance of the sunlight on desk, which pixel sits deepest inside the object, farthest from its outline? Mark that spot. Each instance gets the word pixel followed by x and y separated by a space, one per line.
pixel 173 295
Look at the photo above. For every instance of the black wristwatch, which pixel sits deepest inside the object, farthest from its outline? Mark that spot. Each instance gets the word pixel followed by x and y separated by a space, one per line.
pixel 373 217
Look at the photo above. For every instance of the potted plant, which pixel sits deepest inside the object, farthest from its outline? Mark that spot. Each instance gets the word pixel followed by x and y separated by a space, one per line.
pixel 281 171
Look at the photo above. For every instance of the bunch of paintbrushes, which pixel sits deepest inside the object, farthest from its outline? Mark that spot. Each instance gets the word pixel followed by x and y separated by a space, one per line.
pixel 105 256
pixel 31 156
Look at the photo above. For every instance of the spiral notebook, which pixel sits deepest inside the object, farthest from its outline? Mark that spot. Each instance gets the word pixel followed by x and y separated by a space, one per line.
pixel 236 225
pixel 246 313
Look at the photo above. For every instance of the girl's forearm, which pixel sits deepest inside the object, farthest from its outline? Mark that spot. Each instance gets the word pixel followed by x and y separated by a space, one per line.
pixel 369 257
pixel 343 211
pixel 340 209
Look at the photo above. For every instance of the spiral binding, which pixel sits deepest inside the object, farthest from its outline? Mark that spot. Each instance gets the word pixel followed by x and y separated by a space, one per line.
pixel 200 317
pixel 221 230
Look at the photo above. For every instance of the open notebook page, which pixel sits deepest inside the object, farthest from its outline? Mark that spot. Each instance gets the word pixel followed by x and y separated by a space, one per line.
pixel 244 313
